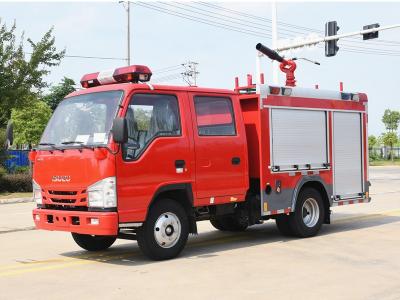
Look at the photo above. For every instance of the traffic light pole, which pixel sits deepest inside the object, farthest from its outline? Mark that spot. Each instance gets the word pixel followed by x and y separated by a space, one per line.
pixel 335 37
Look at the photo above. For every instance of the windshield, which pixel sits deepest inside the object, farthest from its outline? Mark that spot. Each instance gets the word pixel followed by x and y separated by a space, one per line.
pixel 84 119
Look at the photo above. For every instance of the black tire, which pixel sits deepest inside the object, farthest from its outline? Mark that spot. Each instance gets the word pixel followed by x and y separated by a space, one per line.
pixel 230 223
pixel 296 220
pixel 146 236
pixel 217 224
pixel 282 222
pixel 93 242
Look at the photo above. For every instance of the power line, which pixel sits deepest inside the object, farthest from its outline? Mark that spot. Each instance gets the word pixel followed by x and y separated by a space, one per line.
pixel 167 78
pixel 202 20
pixel 88 57
pixel 253 16
pixel 350 50
pixel 95 57
pixel 314 30
pixel 194 17
pixel 177 68
pixel 348 40
pixel 167 68
pixel 210 14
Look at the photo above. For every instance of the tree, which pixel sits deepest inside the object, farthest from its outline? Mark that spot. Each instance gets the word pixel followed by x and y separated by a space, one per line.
pixel 372 141
pixel 30 121
pixel 389 139
pixel 23 78
pixel 58 92
pixel 391 119
pixel 3 153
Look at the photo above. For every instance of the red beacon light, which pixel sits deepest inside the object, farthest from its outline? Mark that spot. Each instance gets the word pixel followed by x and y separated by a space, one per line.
pixel 135 73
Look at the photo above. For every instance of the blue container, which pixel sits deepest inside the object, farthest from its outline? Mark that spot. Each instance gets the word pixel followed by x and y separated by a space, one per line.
pixel 18 158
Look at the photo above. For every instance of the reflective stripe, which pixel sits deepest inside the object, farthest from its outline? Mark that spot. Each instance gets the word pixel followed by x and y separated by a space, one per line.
pixel 127 225
pixel 354 201
pixel 278 211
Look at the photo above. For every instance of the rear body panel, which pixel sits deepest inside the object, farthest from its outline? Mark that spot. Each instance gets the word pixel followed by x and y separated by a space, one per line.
pixel 303 153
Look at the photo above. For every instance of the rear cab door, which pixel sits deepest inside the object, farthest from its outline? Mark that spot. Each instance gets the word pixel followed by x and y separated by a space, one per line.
pixel 221 164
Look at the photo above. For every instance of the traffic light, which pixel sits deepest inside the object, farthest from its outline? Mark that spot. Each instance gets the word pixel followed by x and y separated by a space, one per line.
pixel 371 35
pixel 331 47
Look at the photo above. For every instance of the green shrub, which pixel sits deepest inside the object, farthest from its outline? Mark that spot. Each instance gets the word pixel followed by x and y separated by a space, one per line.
pixel 374 156
pixel 3 171
pixel 12 183
pixel 21 170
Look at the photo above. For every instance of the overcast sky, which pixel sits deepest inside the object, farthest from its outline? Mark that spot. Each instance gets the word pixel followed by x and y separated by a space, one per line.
pixel 162 40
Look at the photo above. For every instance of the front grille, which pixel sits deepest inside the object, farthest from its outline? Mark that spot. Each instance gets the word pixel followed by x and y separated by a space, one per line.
pixel 69 199
pixel 61 193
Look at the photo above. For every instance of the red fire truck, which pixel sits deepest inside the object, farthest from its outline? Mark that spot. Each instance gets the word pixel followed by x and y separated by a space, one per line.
pixel 126 159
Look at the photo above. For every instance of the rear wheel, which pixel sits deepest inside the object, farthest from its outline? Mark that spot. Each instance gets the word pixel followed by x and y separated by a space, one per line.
pixel 309 214
pixel 93 242
pixel 165 232
pixel 230 223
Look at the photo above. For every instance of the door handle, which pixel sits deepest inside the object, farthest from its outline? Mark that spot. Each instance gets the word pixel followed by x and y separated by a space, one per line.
pixel 180 166
pixel 235 160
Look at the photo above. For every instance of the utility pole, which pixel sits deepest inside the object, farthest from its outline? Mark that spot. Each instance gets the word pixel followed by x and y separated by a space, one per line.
pixel 190 73
pixel 128 12
pixel 274 41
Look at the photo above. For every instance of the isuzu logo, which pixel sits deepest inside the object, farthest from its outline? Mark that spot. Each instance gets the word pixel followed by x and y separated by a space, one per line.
pixel 59 178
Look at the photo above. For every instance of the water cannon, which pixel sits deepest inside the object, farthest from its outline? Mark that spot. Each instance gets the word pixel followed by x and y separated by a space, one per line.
pixel 286 66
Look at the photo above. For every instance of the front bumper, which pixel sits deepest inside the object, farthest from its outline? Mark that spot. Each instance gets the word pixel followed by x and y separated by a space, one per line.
pixel 83 222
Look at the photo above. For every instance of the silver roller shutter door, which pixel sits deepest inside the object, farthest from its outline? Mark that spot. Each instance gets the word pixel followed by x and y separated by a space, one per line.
pixel 299 137
pixel 347 154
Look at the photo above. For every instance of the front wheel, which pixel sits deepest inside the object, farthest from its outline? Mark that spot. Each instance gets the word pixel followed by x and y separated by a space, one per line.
pixel 93 242
pixel 165 232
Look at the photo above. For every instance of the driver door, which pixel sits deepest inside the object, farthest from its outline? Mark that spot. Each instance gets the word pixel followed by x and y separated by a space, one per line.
pixel 155 125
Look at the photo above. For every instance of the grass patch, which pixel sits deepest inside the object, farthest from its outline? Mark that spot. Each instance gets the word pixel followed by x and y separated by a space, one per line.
pixel 396 162
pixel 6 195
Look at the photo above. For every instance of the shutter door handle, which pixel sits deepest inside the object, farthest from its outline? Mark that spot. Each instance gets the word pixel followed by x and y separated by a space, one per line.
pixel 235 160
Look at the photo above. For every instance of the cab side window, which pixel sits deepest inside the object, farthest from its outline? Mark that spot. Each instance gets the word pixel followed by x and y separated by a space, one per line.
pixel 150 116
pixel 214 116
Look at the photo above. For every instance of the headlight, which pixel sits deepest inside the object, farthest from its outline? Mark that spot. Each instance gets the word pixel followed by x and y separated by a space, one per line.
pixel 103 193
pixel 37 192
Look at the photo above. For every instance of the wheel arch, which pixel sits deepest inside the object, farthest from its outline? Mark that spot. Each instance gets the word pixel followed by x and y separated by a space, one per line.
pixel 318 184
pixel 181 193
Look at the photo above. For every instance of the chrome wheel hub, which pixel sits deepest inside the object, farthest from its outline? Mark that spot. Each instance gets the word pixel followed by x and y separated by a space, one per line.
pixel 167 230
pixel 310 212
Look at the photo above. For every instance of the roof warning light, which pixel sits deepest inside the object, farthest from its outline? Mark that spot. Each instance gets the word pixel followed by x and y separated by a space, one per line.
pixel 135 74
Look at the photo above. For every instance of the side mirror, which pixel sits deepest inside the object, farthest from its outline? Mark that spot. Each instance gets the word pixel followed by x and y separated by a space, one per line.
pixel 9 134
pixel 120 130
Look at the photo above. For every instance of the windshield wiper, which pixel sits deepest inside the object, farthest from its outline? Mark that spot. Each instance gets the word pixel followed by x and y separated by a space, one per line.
pixel 79 143
pixel 51 145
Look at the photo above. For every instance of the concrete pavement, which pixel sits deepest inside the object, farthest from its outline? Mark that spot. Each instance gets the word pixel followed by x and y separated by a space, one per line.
pixel 356 257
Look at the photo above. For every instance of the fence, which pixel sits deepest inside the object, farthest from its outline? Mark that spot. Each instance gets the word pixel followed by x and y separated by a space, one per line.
pixel 384 152
pixel 17 158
